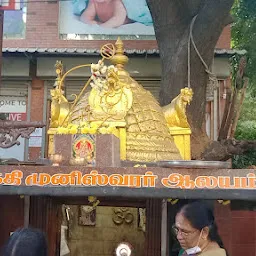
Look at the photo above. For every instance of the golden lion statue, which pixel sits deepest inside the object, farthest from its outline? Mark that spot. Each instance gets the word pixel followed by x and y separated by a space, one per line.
pixel 175 112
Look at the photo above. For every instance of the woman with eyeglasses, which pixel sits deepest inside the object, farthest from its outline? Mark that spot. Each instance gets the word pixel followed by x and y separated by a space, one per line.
pixel 197 232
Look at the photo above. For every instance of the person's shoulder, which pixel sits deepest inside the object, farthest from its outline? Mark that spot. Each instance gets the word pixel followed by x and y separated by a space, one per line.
pixel 214 252
pixel 221 252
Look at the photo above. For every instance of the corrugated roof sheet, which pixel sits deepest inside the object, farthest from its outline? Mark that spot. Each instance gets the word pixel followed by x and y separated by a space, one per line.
pixel 96 51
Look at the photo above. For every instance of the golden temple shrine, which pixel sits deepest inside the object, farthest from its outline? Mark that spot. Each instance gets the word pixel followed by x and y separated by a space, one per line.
pixel 117 104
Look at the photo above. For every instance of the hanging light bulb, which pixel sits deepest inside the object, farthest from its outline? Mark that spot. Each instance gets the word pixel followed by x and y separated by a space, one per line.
pixel 123 249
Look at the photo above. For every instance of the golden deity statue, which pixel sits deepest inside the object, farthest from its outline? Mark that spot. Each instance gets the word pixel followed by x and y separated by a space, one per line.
pixel 59 105
pixel 118 105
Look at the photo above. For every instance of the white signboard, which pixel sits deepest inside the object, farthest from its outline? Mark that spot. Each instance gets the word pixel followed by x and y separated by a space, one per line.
pixel 37 133
pixel 14 109
pixel 35 142
pixel 13 104
pixel 35 139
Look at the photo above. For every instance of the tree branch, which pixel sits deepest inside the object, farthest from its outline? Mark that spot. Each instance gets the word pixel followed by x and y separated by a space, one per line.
pixel 165 7
pixel 225 149
pixel 167 14
pixel 192 8
pixel 210 22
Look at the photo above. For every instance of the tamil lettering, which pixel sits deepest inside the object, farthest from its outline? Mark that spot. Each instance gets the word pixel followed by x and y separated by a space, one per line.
pixel 14 178
pixel 147 179
pixel 76 178
pixel 176 180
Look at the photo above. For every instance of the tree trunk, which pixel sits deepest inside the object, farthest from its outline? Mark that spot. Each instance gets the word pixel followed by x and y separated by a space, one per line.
pixel 225 149
pixel 172 19
pixel 239 108
pixel 228 102
pixel 231 114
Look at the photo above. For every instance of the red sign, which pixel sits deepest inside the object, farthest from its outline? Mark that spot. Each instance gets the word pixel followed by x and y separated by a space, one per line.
pixel 16 116
pixel 10 5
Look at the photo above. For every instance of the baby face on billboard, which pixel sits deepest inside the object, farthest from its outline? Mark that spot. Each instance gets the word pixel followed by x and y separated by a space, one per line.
pixel 106 13
pixel 130 18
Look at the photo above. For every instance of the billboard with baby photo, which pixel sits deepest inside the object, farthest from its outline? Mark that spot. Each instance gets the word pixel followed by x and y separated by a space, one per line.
pixel 105 19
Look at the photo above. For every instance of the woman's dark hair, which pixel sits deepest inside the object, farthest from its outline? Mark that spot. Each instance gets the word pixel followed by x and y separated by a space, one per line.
pixel 26 242
pixel 200 215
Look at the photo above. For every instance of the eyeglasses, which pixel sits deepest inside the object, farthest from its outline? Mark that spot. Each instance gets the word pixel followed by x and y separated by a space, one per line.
pixel 183 232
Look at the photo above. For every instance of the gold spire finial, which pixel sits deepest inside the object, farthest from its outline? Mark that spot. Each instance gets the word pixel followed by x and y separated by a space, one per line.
pixel 119 59
pixel 119 46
